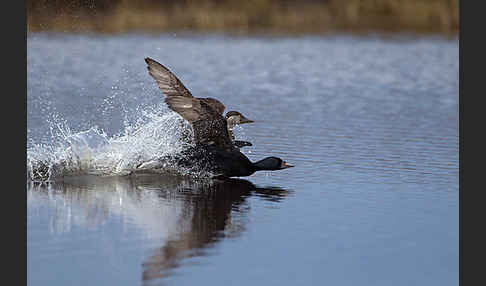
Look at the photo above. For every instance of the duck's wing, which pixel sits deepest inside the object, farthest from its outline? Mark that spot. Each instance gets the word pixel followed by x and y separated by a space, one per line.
pixel 214 103
pixel 167 81
pixel 209 125
pixel 172 86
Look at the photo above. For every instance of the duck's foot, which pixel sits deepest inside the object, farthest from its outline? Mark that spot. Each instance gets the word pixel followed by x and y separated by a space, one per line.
pixel 239 143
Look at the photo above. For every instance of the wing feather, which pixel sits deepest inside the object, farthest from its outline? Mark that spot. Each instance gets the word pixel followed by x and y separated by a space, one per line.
pixel 167 81
pixel 209 126
pixel 189 108
pixel 214 103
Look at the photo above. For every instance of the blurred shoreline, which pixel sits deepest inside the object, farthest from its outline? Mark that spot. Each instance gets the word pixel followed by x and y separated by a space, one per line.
pixel 246 17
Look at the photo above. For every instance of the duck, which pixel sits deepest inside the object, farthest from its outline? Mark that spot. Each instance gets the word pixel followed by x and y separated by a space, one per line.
pixel 214 150
pixel 171 86
pixel 223 163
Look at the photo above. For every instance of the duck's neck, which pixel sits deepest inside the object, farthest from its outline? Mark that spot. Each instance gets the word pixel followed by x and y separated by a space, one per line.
pixel 230 124
pixel 261 165
pixel 230 130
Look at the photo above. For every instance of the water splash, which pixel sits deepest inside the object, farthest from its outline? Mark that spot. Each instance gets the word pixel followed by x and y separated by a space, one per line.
pixel 156 134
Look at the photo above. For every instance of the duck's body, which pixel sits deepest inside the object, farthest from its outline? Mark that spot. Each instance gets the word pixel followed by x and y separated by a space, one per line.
pixel 226 163
pixel 217 161
pixel 214 148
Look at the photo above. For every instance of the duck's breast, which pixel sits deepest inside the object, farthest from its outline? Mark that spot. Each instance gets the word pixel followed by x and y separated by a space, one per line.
pixel 232 163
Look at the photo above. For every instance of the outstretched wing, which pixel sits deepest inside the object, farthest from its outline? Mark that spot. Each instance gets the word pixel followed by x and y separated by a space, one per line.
pixel 209 125
pixel 167 81
pixel 214 104
pixel 172 86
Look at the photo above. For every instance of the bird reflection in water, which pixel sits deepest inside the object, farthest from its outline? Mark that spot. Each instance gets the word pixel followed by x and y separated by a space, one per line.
pixel 193 215
pixel 213 205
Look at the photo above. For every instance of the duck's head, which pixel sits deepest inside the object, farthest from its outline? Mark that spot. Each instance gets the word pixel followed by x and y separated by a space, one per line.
pixel 271 164
pixel 234 117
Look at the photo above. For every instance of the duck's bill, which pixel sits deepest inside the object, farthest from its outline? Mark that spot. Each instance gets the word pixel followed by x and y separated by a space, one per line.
pixel 246 120
pixel 286 165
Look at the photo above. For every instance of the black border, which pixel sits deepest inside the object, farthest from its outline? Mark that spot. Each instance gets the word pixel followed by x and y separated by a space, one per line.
pixel 471 89
pixel 14 131
pixel 20 69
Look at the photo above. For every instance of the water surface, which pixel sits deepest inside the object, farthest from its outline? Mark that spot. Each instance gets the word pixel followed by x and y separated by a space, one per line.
pixel 371 125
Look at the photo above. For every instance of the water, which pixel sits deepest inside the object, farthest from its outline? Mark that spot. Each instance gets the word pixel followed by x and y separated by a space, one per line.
pixel 371 125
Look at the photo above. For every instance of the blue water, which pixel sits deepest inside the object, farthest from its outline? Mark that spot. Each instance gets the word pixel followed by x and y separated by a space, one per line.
pixel 371 125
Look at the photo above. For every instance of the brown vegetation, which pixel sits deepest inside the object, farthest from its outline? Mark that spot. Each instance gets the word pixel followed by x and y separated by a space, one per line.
pixel 245 16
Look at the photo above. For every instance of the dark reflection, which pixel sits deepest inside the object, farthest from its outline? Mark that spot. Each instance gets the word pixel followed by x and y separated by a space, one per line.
pixel 212 204
pixel 194 214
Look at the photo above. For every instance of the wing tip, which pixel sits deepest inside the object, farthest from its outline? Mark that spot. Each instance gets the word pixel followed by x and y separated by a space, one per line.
pixel 149 60
pixel 151 63
pixel 155 65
